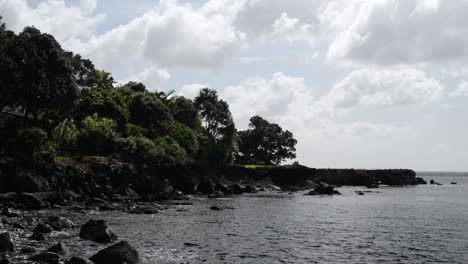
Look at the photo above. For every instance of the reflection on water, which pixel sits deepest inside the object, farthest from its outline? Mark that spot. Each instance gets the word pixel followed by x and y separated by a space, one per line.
pixel 423 224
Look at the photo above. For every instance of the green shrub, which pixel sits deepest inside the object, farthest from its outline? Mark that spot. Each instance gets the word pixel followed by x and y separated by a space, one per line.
pixel 185 137
pixel 174 154
pixel 97 135
pixel 27 142
pixel 132 130
pixel 66 134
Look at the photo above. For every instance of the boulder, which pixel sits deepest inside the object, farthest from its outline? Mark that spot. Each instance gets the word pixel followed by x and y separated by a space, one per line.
pixel 47 257
pixel 434 182
pixel 77 260
pixel 216 194
pixel 250 189
pixel 98 231
pixel 215 208
pixel 322 189
pixel 37 236
pixel 420 181
pixel 205 186
pixel 453 183
pixel 223 188
pixel 360 193
pixel 6 243
pixel 59 223
pixel 43 228
pixel 59 249
pixel 28 201
pixel 119 253
pixel 144 209
pixel 236 188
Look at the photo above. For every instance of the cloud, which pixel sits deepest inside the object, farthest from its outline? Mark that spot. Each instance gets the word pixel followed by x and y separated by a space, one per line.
pixel 462 90
pixel 396 32
pixel 151 76
pixel 64 21
pixel 385 87
pixel 191 90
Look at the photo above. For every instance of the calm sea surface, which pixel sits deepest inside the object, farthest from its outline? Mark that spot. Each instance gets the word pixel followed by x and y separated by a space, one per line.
pixel 422 224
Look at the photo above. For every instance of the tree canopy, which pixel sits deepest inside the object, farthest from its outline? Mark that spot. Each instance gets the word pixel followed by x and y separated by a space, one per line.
pixel 265 143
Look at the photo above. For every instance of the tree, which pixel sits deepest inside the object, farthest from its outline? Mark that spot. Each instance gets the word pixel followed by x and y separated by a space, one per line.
pixel 133 87
pixel 101 80
pixel 84 71
pixel 185 112
pixel 147 111
pixel 265 143
pixel 218 122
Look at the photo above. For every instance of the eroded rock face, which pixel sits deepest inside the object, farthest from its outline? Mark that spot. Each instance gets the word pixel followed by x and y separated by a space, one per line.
pixel 98 231
pixel 119 253
pixel 6 243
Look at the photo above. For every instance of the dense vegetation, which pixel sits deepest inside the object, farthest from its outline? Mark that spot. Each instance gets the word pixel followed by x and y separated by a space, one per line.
pixel 64 107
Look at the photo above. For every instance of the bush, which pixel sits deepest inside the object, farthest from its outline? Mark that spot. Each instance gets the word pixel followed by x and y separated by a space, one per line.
pixel 174 154
pixel 185 137
pixel 96 135
pixel 132 130
pixel 66 134
pixel 28 141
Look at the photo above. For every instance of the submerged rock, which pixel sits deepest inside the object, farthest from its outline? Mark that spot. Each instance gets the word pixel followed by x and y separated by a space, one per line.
pixel 98 231
pixel 6 243
pixel 58 248
pixel 434 182
pixel 119 253
pixel 59 223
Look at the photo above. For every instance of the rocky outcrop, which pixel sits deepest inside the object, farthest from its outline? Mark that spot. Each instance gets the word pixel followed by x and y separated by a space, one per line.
pixel 323 189
pixel 119 253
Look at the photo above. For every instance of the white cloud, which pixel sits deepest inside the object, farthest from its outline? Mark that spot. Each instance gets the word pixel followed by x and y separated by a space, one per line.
pixel 397 32
pixel 462 89
pixel 64 21
pixel 191 90
pixel 151 76
pixel 387 87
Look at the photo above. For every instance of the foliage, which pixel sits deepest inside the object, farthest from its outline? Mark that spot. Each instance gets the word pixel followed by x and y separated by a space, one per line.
pixel 185 137
pixel 174 154
pixel 185 112
pixel 132 130
pixel 96 135
pixel 265 143
pixel 66 134
pixel 147 111
pixel 132 87
pixel 28 142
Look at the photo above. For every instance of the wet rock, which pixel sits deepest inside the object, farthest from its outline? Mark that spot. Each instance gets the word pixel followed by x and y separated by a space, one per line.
pixel 28 201
pixel 250 189
pixel 4 260
pixel 77 260
pixel 119 253
pixel 59 249
pixel 216 194
pixel 188 244
pixel 434 182
pixel 98 231
pixel 223 188
pixel 323 189
pixel 453 183
pixel 59 223
pixel 360 193
pixel 236 189
pixel 28 250
pixel 420 181
pixel 46 257
pixel 37 236
pixel 6 243
pixel 206 186
pixel 144 209
pixel 43 228
pixel 215 208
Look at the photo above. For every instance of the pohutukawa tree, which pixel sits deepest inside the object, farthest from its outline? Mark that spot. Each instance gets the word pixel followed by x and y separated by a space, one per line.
pixel 265 143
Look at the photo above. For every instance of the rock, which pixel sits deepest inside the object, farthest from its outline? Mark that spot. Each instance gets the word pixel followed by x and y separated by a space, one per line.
pixel 236 189
pixel 6 243
pixel 453 183
pixel 188 244
pixel 98 231
pixel 43 228
pixel 223 188
pixel 47 257
pixel 216 194
pixel 434 182
pixel 206 186
pixel 59 249
pixel 420 181
pixel 28 250
pixel 119 253
pixel 28 201
pixel 360 193
pixel 59 223
pixel 250 189
pixel 77 260
pixel 323 188
pixel 9 213
pixel 215 208
pixel 146 209
pixel 4 260
pixel 37 236
pixel 372 186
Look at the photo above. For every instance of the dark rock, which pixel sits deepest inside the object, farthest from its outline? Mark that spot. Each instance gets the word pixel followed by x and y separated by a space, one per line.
pixel 420 180
pixel 434 182
pixel 453 183
pixel 9 212
pixel 77 260
pixel 17 225
pixel 223 188
pixel 37 236
pixel 215 208
pixel 322 189
pixel 59 223
pixel 28 201
pixel 6 243
pixel 360 193
pixel 372 186
pixel 206 186
pixel 250 189
pixel 4 260
pixel 59 249
pixel 43 228
pixel 145 209
pixel 236 189
pixel 47 257
pixel 216 194
pixel 119 253
pixel 188 244
pixel 98 231
pixel 28 250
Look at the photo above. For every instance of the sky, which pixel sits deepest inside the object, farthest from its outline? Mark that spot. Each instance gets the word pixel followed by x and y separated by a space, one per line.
pixel 361 84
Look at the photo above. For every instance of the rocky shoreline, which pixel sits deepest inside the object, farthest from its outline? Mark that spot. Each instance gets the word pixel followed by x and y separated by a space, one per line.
pixel 106 184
